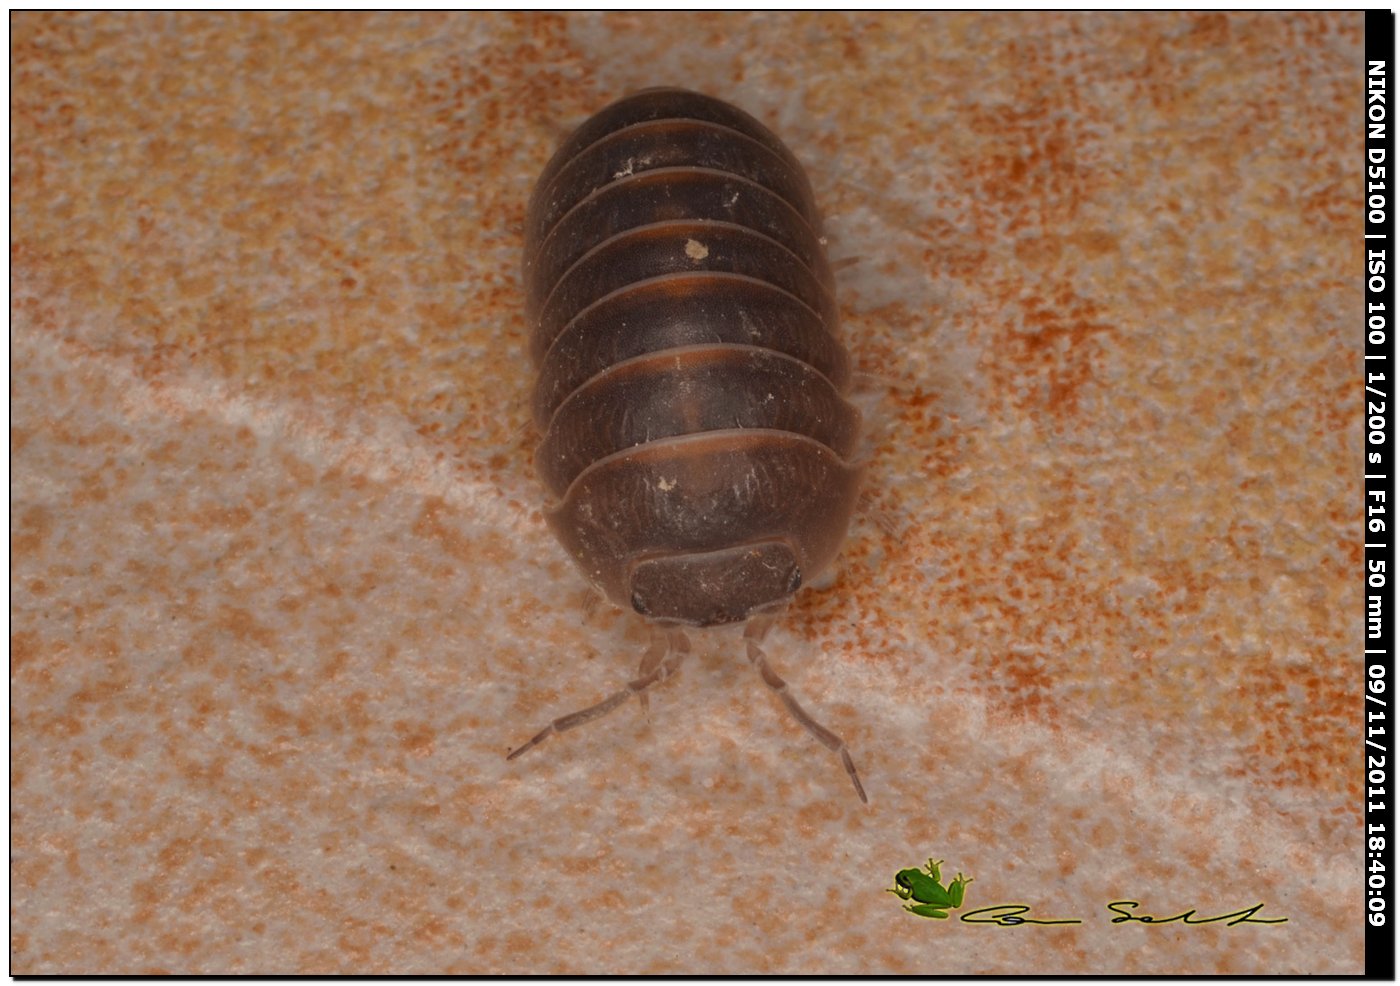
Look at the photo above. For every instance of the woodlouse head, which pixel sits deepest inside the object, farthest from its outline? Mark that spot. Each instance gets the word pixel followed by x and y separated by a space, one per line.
pixel 711 588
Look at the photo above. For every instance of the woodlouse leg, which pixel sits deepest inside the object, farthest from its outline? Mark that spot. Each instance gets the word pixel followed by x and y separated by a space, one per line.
pixel 753 633
pixel 591 599
pixel 881 517
pixel 677 646
pixel 651 660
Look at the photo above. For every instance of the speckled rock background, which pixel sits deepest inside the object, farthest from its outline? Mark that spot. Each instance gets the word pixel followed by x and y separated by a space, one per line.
pixel 282 597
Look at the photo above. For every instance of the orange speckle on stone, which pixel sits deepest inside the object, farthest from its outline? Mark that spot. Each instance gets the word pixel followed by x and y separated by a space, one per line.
pixel 415 738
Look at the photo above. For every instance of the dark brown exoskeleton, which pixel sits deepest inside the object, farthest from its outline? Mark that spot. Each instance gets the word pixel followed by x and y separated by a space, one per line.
pixel 696 440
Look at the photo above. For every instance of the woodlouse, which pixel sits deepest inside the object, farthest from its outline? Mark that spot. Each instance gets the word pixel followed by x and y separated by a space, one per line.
pixel 690 388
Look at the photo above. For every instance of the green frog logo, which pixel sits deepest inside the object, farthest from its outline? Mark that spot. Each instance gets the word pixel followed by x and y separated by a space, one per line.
pixel 931 898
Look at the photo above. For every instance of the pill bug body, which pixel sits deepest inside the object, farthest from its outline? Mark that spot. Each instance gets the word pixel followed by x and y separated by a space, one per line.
pixel 696 441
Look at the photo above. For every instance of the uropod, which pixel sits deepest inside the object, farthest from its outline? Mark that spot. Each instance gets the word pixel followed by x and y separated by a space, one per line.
pixel 690 385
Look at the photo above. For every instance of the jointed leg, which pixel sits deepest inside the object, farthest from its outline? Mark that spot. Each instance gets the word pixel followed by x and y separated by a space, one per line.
pixel 753 633
pixel 651 660
pixel 677 647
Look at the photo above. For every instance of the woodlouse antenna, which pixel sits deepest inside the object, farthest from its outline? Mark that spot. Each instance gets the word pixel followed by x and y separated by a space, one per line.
pixel 753 634
pixel 662 659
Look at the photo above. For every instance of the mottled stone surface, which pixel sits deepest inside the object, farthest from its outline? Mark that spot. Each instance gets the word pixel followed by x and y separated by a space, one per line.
pixel 282 597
